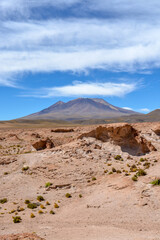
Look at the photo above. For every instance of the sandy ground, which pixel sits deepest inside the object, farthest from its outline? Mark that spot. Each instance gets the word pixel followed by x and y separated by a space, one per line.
pixel 104 204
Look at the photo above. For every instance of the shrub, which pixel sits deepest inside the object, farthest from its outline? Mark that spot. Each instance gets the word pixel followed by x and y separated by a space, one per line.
pixel 156 182
pixel 25 168
pixel 119 171
pixel 94 178
pixel 32 205
pixel 105 171
pixel 40 198
pixel 141 172
pixel 146 165
pixel 42 206
pixel 3 200
pixel 27 201
pixel 40 212
pixel 32 215
pixel 142 159
pixel 6 173
pixel 80 195
pixel 68 195
pixel 52 212
pixel 47 203
pixel 110 173
pixel 135 178
pixel 48 184
pixel 118 157
pixel 56 205
pixel 20 209
pixel 12 211
pixel 113 169
pixel 17 219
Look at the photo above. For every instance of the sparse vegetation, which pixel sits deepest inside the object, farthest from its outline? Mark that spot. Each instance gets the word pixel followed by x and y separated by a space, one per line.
pixel 156 182
pixel 42 206
pixel 40 212
pixel 118 157
pixel 52 212
pixel 47 203
pixel 17 219
pixel 68 195
pixel 27 201
pixel 80 195
pixel 48 184
pixel 32 215
pixel 141 172
pixel 135 178
pixel 94 178
pixel 114 170
pixel 56 205
pixel 40 198
pixel 3 200
pixel 32 205
pixel 25 168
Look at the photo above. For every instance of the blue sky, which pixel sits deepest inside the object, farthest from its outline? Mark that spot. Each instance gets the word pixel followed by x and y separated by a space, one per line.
pixel 64 49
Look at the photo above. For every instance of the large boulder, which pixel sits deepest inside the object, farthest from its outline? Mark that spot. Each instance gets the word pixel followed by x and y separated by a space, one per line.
pixel 43 144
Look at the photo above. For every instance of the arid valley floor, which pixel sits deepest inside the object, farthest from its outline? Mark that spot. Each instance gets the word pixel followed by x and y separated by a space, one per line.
pixel 91 183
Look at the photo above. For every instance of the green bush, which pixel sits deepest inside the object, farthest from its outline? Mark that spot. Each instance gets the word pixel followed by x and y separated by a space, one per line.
pixel 56 205
pixel 156 182
pixel 118 157
pixel 32 215
pixel 68 195
pixel 94 178
pixel 32 205
pixel 52 212
pixel 48 184
pixel 17 219
pixel 141 172
pixel 27 201
pixel 25 168
pixel 40 198
pixel 113 169
pixel 3 200
pixel 135 178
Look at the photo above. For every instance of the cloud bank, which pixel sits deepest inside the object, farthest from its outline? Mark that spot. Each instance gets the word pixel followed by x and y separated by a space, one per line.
pixel 113 39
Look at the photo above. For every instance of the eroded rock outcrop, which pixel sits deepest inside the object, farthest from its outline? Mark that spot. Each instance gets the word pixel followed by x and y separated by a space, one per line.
pixel 23 236
pixel 62 130
pixel 43 144
pixel 127 137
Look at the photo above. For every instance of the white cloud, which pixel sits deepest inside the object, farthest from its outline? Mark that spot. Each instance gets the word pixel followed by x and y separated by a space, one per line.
pixel 76 44
pixel 128 108
pixel 86 89
pixel 145 110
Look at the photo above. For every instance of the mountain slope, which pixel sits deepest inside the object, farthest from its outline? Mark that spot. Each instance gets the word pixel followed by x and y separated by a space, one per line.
pixel 81 108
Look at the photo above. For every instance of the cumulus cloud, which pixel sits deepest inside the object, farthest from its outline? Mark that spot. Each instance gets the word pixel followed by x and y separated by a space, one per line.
pixel 86 89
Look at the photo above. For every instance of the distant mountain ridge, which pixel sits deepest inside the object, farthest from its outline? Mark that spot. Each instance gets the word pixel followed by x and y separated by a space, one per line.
pixel 80 109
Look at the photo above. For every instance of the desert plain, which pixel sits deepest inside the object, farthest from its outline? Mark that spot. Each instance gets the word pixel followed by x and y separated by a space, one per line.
pixel 85 182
